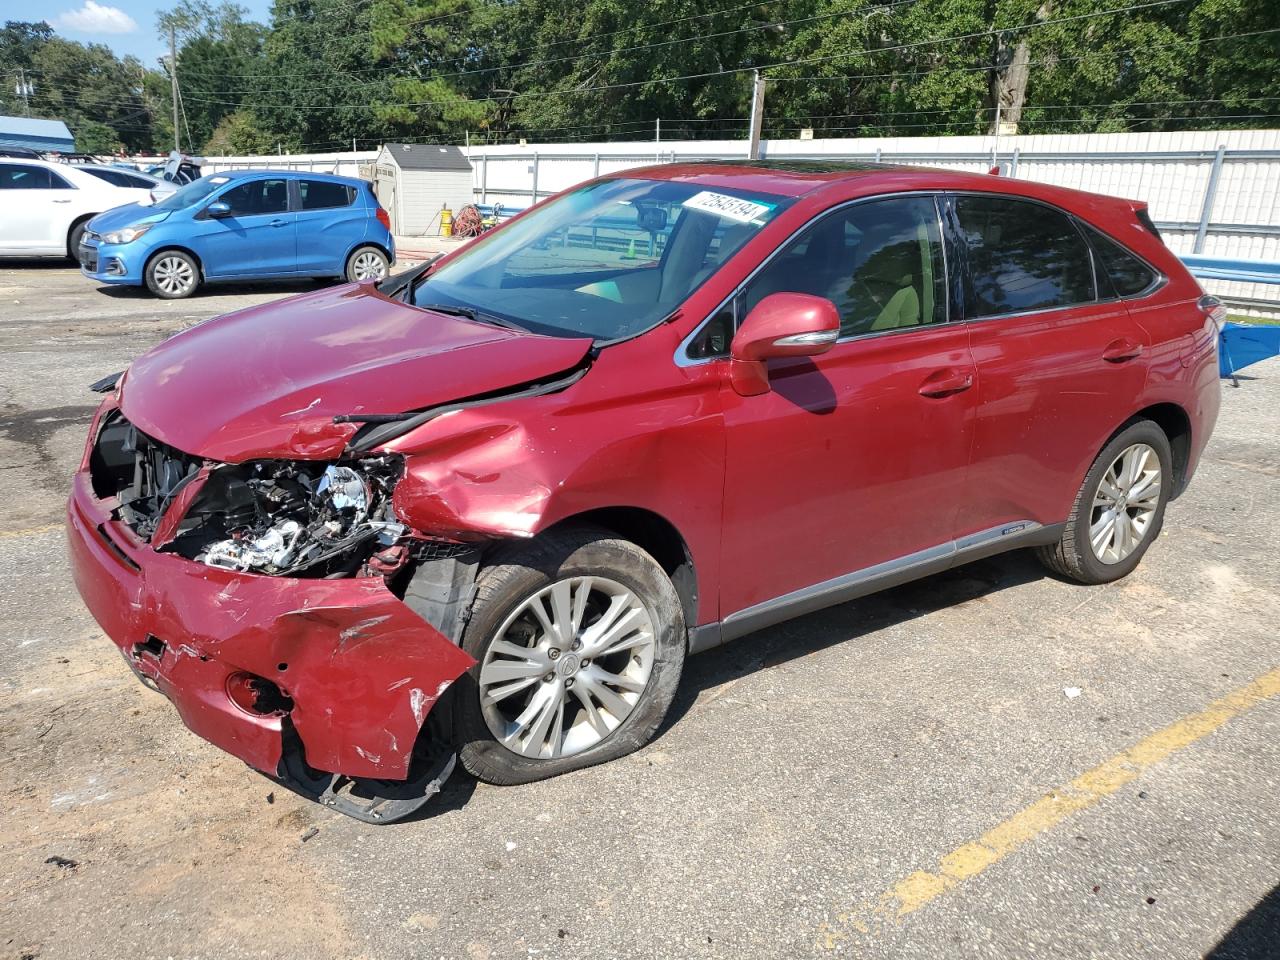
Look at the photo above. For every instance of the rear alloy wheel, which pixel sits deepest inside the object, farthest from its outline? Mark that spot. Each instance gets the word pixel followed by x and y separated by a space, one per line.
pixel 366 263
pixel 579 641
pixel 1119 510
pixel 172 275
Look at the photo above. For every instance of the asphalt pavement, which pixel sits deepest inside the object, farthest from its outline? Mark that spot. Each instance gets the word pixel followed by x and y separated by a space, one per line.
pixel 991 763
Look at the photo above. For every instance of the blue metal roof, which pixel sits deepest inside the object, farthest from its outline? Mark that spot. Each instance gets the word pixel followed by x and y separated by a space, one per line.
pixel 36 134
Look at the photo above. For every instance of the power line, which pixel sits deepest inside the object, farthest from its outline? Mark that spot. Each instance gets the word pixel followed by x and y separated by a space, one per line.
pixel 554 43
pixel 643 46
pixel 738 70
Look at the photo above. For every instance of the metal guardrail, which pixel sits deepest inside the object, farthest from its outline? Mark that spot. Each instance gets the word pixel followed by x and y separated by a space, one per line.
pixel 1230 268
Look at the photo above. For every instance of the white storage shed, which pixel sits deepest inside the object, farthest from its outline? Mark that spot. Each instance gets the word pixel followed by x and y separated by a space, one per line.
pixel 414 181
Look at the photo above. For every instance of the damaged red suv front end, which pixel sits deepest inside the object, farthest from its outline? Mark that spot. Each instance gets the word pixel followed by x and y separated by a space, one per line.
pixel 253 569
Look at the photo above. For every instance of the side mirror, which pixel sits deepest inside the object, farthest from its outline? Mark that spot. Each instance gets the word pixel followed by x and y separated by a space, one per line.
pixel 780 325
pixel 218 209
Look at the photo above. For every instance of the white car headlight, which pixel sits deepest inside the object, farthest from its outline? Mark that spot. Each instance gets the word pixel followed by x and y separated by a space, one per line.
pixel 127 235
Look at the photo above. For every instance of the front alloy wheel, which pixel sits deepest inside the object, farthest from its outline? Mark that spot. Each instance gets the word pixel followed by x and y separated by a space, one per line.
pixel 567 667
pixel 579 640
pixel 172 275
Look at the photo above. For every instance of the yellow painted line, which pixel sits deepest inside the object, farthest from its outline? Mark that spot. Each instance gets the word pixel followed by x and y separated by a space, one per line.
pixel 30 531
pixel 922 887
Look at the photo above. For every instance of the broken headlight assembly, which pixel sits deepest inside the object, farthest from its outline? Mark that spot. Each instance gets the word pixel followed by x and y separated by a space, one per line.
pixel 290 518
pixel 273 517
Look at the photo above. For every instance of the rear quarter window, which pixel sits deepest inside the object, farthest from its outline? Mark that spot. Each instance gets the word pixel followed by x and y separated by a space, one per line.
pixel 1129 275
pixel 1022 256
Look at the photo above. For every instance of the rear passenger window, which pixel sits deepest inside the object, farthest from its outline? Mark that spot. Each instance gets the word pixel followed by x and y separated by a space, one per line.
pixel 319 195
pixel 1022 256
pixel 1129 275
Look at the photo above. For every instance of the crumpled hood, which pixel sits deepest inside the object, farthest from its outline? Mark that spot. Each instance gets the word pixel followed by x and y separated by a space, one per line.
pixel 268 381
pixel 117 218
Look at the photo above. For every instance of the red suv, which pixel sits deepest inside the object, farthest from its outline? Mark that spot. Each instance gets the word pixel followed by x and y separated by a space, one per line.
pixel 652 414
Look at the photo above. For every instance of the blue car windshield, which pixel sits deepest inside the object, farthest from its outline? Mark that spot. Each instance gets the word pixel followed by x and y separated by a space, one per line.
pixel 192 193
pixel 608 260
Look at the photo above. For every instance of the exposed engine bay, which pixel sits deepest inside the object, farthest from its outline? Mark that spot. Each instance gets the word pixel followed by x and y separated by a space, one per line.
pixel 273 517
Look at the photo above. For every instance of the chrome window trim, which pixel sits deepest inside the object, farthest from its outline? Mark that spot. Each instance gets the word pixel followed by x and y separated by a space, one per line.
pixel 682 358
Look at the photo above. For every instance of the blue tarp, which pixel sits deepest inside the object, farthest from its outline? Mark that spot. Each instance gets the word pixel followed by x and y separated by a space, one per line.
pixel 1242 344
pixel 36 134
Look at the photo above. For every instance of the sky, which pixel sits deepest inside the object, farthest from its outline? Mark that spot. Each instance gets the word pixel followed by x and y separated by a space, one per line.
pixel 126 26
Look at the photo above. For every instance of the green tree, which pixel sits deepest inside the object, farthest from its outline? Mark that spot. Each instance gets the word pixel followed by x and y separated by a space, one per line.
pixel 219 56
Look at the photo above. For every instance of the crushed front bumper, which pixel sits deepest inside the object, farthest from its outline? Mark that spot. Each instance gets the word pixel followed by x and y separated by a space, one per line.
pixel 357 671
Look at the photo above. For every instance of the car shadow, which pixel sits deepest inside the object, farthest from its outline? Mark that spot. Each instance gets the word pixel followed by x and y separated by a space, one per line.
pixel 1256 936
pixel 848 622
pixel 215 290
pixel 37 263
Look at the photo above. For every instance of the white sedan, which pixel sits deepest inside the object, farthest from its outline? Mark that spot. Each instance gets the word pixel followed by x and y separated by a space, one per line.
pixel 44 206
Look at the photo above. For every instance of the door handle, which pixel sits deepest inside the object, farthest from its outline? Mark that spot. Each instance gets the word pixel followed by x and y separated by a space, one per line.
pixel 278 223
pixel 945 382
pixel 62 201
pixel 1118 351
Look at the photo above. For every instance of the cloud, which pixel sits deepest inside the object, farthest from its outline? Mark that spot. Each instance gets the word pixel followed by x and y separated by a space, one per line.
pixel 96 18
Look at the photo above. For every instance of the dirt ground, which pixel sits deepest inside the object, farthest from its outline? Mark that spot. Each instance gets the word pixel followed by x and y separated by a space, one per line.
pixel 821 786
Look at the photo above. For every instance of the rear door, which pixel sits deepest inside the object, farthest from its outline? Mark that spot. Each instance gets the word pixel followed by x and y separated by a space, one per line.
pixel 37 209
pixel 855 458
pixel 330 223
pixel 1060 362
pixel 257 239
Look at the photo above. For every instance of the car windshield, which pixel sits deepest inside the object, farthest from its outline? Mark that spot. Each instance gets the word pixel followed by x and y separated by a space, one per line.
pixel 191 193
pixel 608 260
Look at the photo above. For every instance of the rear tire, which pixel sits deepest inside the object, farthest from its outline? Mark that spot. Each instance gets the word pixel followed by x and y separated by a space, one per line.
pixel 367 263
pixel 589 692
pixel 1119 510
pixel 172 275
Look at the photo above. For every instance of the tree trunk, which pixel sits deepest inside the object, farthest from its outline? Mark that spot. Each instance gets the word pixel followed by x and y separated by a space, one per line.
pixel 1007 91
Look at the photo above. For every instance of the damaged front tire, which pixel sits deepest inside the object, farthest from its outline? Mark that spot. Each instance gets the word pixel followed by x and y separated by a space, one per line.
pixel 579 639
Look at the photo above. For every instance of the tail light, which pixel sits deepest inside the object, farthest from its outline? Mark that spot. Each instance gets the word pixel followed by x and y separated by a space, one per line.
pixel 384 218
pixel 1214 309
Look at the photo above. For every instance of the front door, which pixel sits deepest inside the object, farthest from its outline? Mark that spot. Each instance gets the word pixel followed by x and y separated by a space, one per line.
pixel 1060 361
pixel 256 239
pixel 37 207
pixel 855 458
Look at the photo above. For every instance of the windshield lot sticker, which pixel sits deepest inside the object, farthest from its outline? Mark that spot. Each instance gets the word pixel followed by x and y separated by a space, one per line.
pixel 219 179
pixel 731 208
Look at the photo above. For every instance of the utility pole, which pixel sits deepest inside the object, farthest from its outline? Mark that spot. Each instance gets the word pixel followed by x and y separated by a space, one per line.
pixel 657 138
pixel 757 115
pixel 24 90
pixel 173 84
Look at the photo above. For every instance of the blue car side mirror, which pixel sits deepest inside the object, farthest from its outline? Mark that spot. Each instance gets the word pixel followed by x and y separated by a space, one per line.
pixel 218 209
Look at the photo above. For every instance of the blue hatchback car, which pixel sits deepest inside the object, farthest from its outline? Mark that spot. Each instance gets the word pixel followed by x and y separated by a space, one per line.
pixel 242 225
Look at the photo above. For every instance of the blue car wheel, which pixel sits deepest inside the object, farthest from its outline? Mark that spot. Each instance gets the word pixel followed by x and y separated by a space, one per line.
pixel 172 275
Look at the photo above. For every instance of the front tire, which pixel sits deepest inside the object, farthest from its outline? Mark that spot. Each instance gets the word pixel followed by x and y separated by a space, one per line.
pixel 367 263
pixel 1119 510
pixel 172 275
pixel 579 639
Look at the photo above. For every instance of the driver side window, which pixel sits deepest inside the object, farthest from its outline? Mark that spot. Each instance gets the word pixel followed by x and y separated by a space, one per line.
pixel 257 197
pixel 880 263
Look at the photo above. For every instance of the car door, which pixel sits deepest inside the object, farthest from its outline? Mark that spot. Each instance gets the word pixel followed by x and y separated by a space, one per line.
pixel 256 238
pixel 1059 366
pixel 855 459
pixel 38 208
pixel 329 225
